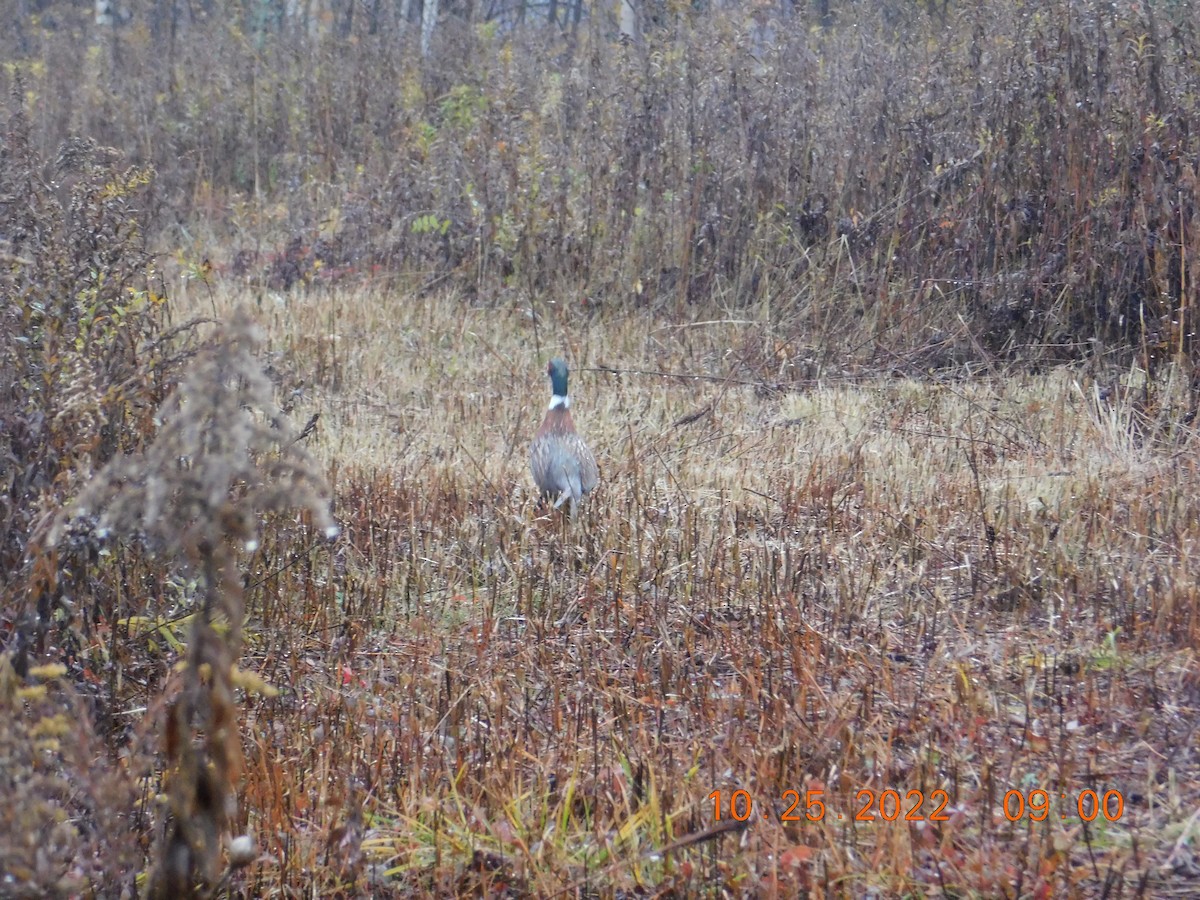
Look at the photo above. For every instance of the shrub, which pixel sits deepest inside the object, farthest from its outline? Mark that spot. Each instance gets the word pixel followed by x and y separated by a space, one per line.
pixel 125 473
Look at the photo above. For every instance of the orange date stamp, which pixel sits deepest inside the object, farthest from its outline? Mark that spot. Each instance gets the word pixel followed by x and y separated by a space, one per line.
pixel 887 805
pixel 891 805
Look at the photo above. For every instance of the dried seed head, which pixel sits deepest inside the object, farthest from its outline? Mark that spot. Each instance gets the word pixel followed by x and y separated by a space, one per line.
pixel 241 851
pixel 223 455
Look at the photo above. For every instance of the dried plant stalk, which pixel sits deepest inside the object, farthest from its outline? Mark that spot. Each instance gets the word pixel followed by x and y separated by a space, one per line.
pixel 223 456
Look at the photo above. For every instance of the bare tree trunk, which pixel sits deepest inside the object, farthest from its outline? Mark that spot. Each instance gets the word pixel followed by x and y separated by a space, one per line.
pixel 172 83
pixel 824 13
pixel 428 20
pixel 628 20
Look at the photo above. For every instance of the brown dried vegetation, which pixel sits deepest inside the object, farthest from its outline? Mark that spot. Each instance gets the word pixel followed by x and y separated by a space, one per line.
pixel 881 324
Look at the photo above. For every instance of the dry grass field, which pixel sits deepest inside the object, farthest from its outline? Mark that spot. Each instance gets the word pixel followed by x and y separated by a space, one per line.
pixel 882 324
pixel 976 594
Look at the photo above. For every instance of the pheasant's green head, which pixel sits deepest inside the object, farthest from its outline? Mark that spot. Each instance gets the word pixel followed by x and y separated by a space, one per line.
pixel 557 370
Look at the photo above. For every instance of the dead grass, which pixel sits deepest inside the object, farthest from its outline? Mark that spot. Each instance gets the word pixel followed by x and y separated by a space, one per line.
pixel 971 586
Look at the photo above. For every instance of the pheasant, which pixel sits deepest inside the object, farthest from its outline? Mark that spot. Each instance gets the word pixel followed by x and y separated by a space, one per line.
pixel 562 465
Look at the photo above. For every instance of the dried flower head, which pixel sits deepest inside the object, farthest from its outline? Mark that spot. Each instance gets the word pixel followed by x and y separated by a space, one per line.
pixel 223 456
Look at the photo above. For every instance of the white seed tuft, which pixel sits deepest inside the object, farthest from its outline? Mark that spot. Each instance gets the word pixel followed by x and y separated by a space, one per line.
pixel 241 851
